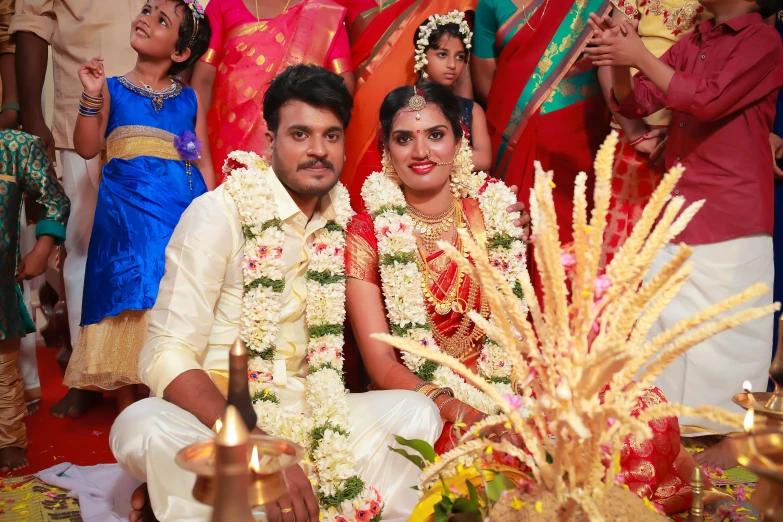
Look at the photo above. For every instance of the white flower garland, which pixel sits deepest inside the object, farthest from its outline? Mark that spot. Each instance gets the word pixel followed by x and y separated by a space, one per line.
pixel 401 278
pixel 342 494
pixel 454 17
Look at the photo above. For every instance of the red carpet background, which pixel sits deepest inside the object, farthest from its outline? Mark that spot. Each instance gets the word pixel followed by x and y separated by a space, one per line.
pixel 83 441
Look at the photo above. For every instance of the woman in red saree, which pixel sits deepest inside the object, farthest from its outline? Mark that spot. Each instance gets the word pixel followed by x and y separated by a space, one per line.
pixel 421 150
pixel 382 54
pixel 543 98
pixel 252 41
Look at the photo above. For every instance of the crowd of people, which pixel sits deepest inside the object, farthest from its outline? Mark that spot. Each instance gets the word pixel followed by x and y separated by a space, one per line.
pixel 279 170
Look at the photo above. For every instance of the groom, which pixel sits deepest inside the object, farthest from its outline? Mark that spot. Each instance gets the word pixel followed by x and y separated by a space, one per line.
pixel 197 317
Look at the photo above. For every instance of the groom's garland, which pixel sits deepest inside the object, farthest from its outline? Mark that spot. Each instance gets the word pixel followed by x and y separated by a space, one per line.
pixel 342 494
pixel 401 278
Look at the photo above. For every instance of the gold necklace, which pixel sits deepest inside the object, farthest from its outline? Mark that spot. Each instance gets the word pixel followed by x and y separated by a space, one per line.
pixel 445 305
pixel 258 17
pixel 432 227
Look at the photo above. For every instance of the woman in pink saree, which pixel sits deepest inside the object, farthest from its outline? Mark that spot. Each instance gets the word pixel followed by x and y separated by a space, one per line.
pixel 252 41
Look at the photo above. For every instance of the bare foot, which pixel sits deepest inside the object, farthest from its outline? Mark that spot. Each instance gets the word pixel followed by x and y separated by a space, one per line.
pixel 140 504
pixel 12 459
pixel 722 455
pixel 126 395
pixel 75 403
pixel 33 407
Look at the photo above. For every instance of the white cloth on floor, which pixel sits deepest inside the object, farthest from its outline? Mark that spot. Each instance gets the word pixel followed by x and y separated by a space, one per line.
pixel 713 371
pixel 81 179
pixel 147 435
pixel 104 491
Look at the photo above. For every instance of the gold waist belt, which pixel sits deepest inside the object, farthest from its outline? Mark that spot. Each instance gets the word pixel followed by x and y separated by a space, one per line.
pixel 132 141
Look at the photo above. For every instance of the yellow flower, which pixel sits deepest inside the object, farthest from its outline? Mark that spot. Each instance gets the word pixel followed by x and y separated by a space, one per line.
pixel 517 504
pixel 552 184
pixel 539 506
pixel 489 450
pixel 507 425
pixel 437 459
pixel 460 424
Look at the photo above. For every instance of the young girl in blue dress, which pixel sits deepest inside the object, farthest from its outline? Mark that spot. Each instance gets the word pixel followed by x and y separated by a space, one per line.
pixel 154 128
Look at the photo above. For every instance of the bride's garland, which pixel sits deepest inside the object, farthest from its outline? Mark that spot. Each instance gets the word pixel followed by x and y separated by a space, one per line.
pixel 401 278
pixel 342 494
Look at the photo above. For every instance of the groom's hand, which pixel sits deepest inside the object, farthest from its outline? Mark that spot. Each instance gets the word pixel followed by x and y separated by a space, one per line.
pixel 299 505
pixel 524 218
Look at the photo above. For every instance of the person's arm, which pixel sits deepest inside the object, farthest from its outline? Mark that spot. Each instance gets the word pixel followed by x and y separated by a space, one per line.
pixel 205 163
pixel 482 147
pixel 483 62
pixel 9 117
pixel 182 319
pixel 33 25
pixel 339 59
pixel 32 54
pixel 750 74
pixel 90 131
pixel 633 127
pixel 39 182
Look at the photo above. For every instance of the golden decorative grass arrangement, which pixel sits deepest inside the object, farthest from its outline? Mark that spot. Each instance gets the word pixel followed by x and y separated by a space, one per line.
pixel 573 346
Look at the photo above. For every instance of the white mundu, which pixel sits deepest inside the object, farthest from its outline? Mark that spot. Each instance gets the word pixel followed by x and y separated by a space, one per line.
pixel 193 324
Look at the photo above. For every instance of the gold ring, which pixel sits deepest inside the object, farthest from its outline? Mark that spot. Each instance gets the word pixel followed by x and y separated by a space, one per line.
pixel 286 510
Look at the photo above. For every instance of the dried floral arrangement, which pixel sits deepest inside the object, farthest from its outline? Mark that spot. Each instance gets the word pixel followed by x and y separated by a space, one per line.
pixel 588 336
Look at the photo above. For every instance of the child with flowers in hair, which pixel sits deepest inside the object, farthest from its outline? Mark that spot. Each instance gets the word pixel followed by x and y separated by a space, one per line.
pixel 443 46
pixel 154 128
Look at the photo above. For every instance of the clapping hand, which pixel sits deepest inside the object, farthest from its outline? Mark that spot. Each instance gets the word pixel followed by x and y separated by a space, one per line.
pixel 616 45
pixel 92 76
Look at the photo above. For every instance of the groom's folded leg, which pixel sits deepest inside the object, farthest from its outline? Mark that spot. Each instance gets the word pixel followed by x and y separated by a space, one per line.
pixel 145 438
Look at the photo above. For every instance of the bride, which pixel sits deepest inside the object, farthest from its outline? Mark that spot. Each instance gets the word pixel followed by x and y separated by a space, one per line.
pixel 394 265
pixel 401 281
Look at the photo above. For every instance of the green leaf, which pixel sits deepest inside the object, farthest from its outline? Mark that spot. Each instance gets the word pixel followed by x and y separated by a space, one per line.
pixel 518 290
pixel 277 285
pixel 423 447
pixel 334 227
pixel 472 492
pixel 324 278
pixel 465 505
pixel 403 258
pixel 325 329
pixel 500 380
pixel 442 510
pixel 500 241
pixel 415 459
pixel 427 371
pixel 497 486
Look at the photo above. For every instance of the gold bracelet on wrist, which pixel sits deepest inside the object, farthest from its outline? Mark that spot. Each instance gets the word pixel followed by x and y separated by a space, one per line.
pixel 444 403
pixel 441 391
pixel 427 389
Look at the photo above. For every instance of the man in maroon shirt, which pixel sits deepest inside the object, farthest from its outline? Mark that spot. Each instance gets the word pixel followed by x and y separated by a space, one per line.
pixel 721 83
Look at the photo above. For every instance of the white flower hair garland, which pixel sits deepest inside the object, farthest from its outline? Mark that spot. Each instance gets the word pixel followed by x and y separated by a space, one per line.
pixel 342 494
pixel 402 280
pixel 454 17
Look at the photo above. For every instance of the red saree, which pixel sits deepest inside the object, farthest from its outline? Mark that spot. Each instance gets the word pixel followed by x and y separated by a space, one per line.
pixel 558 116
pixel 248 55
pixel 381 37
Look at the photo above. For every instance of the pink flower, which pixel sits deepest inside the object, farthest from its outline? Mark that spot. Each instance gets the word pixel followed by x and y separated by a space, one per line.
pixel 606 449
pixel 320 247
pixel 610 422
pixel 363 514
pixel 263 251
pixel 741 493
pixel 620 479
pixel 515 401
pixel 601 285
pixel 568 260
pixel 375 507
pixel 278 252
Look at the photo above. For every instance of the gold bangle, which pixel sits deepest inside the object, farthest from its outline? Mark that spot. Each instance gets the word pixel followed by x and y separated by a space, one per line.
pixel 440 391
pixel 427 389
pixel 421 385
pixel 444 403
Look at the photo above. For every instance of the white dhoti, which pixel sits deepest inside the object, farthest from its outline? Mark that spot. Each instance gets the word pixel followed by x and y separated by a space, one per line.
pixel 147 435
pixel 712 372
pixel 81 179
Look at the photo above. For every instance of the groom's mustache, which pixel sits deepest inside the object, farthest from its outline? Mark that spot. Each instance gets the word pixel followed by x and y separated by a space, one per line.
pixel 325 163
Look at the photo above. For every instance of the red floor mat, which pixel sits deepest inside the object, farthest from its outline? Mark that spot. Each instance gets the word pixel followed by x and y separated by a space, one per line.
pixel 83 441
